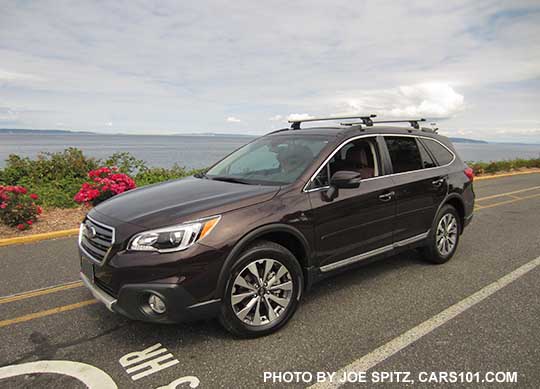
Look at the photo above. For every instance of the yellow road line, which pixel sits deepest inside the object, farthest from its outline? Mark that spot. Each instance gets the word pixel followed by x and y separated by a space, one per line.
pixel 40 292
pixel 479 207
pixel 479 178
pixel 38 237
pixel 508 193
pixel 48 312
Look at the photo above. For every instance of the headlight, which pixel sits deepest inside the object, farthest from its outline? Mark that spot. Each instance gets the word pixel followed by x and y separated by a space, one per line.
pixel 174 238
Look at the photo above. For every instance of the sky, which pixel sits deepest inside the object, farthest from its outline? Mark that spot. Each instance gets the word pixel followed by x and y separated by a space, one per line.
pixel 472 67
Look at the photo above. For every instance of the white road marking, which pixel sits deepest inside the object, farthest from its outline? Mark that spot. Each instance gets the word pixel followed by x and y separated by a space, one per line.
pixel 153 359
pixel 191 380
pixel 382 353
pixel 89 375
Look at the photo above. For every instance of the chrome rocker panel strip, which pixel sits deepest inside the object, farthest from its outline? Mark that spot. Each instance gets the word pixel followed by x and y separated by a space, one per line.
pixel 372 253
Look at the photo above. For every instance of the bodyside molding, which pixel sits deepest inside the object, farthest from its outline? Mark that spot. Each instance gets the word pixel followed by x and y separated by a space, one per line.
pixel 372 253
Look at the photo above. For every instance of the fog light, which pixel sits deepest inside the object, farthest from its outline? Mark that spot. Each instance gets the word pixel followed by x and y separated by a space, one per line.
pixel 156 304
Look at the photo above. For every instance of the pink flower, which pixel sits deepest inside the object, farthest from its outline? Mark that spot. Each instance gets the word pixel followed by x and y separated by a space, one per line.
pixel 3 205
pixel 34 196
pixel 39 210
pixel 21 227
pixel 29 222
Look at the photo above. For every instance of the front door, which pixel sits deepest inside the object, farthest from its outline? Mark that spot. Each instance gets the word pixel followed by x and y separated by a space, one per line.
pixel 358 220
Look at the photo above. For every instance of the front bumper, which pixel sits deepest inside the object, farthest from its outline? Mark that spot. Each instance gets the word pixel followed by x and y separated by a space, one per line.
pixel 132 302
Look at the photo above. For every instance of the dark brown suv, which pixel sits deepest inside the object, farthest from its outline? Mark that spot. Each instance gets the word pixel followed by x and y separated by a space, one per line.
pixel 245 240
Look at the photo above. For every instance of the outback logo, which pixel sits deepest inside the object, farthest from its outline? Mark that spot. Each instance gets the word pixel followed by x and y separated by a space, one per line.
pixel 89 231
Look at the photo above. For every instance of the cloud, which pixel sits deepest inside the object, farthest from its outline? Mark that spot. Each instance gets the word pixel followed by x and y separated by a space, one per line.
pixel 148 69
pixel 15 76
pixel 299 116
pixel 232 119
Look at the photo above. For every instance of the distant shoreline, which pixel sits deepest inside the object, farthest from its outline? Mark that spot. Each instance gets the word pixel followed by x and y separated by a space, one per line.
pixel 15 131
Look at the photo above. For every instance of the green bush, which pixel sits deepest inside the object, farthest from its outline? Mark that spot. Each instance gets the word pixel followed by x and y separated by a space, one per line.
pixel 505 165
pixel 153 175
pixel 57 177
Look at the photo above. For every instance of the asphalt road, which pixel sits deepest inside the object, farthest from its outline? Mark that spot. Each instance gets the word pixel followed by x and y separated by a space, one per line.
pixel 349 319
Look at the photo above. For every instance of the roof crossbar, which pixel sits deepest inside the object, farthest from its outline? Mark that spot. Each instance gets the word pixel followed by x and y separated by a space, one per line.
pixel 412 122
pixel 295 124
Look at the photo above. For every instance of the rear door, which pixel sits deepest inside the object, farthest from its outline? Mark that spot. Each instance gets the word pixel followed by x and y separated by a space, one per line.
pixel 420 186
pixel 359 220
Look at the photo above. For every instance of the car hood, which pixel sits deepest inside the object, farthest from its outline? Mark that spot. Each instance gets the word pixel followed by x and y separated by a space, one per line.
pixel 178 201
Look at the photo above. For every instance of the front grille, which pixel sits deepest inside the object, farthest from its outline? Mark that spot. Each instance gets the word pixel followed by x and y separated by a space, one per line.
pixel 96 239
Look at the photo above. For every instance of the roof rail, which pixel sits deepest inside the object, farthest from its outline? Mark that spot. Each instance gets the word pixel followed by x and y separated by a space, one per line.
pixel 366 119
pixel 412 122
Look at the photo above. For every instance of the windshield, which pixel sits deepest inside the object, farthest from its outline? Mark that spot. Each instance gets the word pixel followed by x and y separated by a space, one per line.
pixel 272 160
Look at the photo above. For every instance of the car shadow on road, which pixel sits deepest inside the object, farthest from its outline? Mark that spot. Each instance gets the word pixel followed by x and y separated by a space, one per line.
pixel 189 334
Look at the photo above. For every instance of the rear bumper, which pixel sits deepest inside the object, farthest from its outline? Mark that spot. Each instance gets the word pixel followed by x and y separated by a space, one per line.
pixel 132 302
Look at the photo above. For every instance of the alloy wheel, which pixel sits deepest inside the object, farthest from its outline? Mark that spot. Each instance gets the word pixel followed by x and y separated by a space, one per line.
pixel 447 234
pixel 261 292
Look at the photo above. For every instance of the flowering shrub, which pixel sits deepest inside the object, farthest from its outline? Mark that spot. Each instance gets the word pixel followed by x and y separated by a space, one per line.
pixel 17 207
pixel 105 183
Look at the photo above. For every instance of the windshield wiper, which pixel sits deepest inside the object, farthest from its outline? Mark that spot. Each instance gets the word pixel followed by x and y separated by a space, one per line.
pixel 230 179
pixel 201 175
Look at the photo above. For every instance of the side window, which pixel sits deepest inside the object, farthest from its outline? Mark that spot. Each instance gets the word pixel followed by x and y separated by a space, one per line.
pixel 404 153
pixel 427 161
pixel 441 153
pixel 360 155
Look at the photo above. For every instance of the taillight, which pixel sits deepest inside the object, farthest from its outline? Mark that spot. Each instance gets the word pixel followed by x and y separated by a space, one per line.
pixel 469 173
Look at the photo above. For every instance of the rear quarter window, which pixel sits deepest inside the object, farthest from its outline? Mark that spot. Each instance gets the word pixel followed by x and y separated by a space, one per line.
pixel 441 153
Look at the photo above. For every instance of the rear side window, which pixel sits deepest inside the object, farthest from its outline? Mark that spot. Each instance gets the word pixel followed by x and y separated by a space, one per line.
pixel 427 160
pixel 441 153
pixel 404 153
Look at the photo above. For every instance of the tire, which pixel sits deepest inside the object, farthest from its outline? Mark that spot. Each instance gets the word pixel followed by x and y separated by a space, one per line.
pixel 238 314
pixel 447 219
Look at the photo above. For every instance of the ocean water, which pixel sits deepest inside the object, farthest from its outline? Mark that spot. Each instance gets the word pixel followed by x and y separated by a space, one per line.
pixel 199 151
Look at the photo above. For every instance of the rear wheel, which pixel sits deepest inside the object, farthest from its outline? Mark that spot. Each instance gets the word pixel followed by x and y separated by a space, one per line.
pixel 443 239
pixel 263 290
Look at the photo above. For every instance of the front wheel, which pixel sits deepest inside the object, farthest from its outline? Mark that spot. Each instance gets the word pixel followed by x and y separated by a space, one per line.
pixel 263 290
pixel 443 239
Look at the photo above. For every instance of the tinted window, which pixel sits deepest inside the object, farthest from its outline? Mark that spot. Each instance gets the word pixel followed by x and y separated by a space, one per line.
pixel 427 161
pixel 404 153
pixel 360 156
pixel 441 153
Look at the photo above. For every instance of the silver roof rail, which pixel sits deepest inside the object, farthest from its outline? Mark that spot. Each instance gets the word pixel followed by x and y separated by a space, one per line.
pixel 412 122
pixel 366 119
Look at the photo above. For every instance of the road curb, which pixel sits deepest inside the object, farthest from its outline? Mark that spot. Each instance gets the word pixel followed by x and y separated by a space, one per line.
pixel 480 178
pixel 38 237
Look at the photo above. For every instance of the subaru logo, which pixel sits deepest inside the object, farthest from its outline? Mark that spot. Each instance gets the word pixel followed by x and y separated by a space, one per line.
pixel 89 231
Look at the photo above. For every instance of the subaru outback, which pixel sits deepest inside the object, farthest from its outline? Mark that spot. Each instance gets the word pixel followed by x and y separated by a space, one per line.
pixel 245 240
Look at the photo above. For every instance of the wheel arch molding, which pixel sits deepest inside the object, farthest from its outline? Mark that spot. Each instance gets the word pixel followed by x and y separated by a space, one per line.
pixel 283 234
pixel 455 200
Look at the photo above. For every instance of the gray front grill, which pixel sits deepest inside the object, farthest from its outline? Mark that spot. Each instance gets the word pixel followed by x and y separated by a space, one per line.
pixel 96 239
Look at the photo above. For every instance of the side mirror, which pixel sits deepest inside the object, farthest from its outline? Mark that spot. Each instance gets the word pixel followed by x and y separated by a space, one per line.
pixel 346 179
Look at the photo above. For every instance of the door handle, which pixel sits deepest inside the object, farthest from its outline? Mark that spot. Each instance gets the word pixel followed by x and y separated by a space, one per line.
pixel 438 182
pixel 387 196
